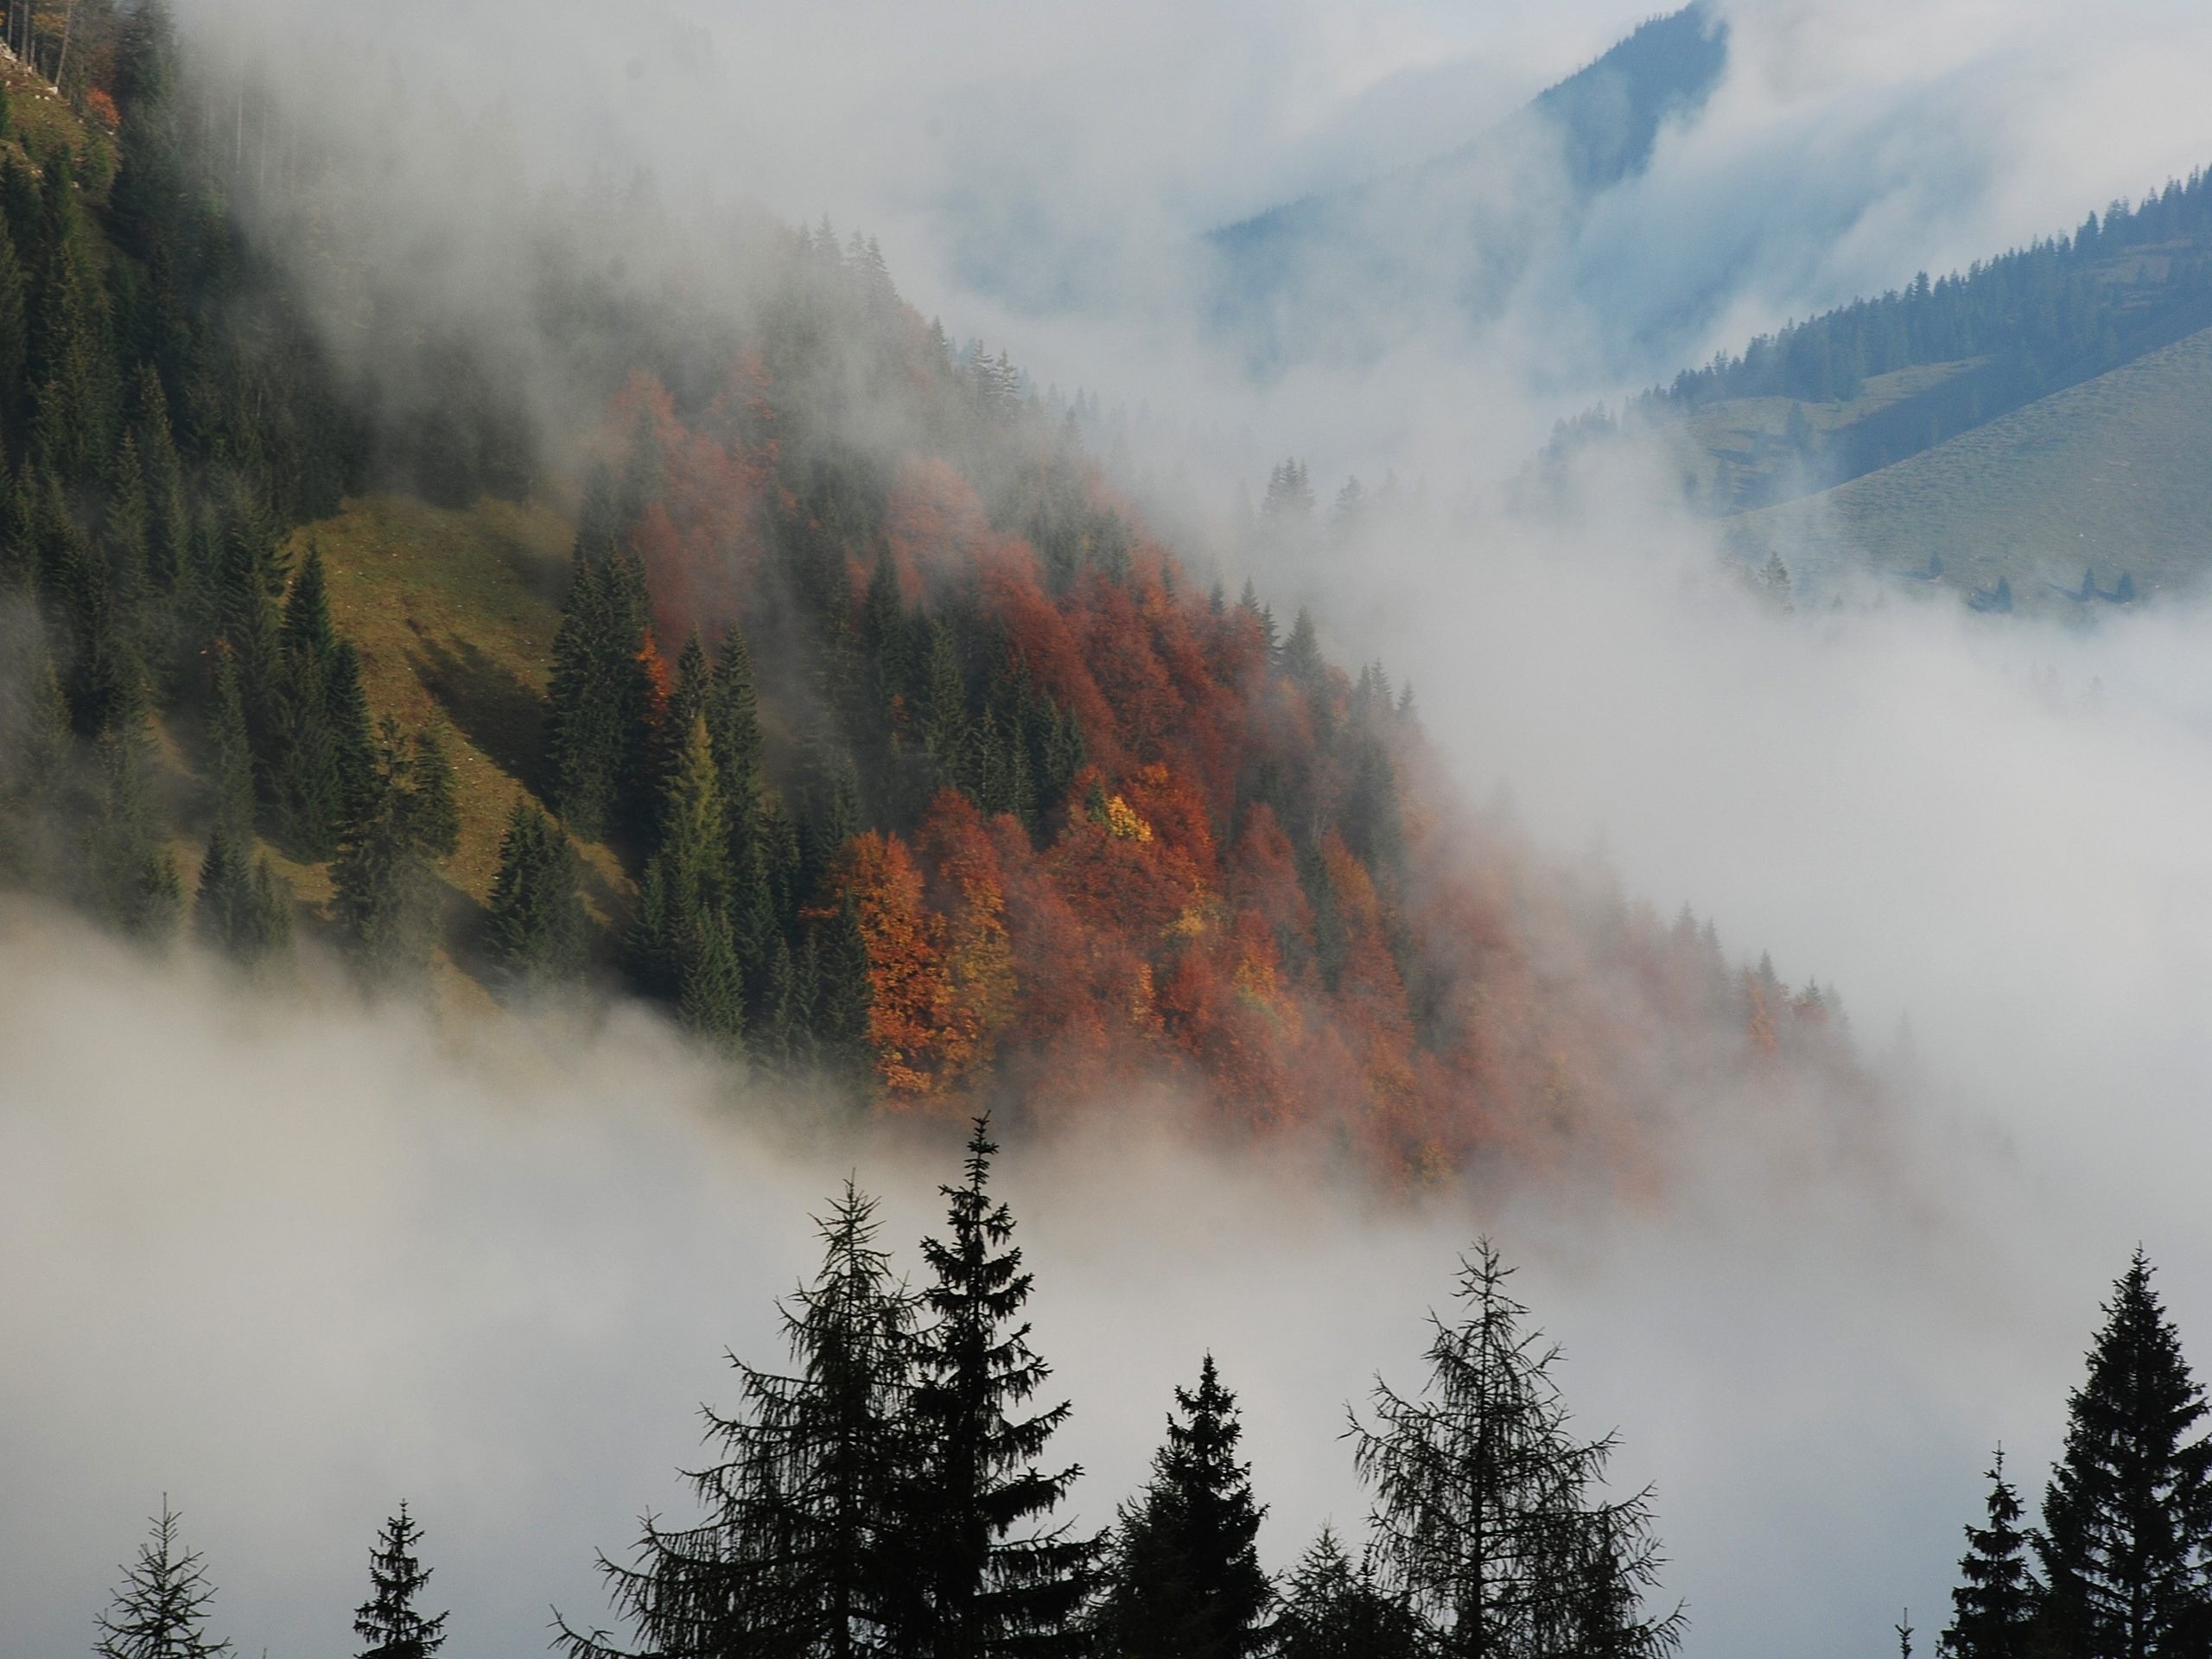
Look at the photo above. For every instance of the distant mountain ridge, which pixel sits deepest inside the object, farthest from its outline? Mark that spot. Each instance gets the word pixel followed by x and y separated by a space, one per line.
pixel 1884 378
pixel 1333 273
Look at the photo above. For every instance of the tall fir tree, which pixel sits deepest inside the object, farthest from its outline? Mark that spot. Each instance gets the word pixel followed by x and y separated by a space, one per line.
pixel 2126 1539
pixel 601 724
pixel 979 1572
pixel 433 796
pixel 389 1624
pixel 1183 1579
pixel 1487 1522
pixel 1994 1607
pixel 791 1561
pixel 538 929
pixel 160 1610
pixel 230 771
pixel 386 885
pixel 129 880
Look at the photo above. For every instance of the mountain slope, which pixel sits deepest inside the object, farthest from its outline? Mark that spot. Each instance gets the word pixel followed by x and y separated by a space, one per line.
pixel 2113 475
pixel 1854 390
pixel 1344 271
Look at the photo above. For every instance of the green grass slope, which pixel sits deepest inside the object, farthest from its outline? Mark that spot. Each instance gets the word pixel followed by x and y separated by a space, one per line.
pixel 454 612
pixel 2114 474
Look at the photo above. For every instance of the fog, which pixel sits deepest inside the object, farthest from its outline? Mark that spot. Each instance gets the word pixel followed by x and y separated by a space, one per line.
pixel 292 1261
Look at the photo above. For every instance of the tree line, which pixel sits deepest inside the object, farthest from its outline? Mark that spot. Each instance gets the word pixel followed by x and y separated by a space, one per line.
pixel 891 1490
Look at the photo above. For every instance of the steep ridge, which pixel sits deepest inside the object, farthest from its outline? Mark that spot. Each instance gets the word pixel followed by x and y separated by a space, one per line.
pixel 1341 272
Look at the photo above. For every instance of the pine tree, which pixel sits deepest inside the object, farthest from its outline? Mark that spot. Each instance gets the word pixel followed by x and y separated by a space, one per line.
pixel 14 329
pixel 1333 1610
pixel 791 1559
pixel 1183 1579
pixel 386 888
pixel 2128 1516
pixel 230 773
pixel 310 786
pixel 1994 1608
pixel 734 726
pixel 167 520
pixel 583 733
pixel 390 1624
pixel 160 1610
pixel 434 803
pixel 1485 1521
pixel 946 688
pixel 601 722
pixel 352 734
pixel 840 993
pixel 35 753
pixel 539 931
pixel 978 1574
pixel 224 889
pixel 130 882
pixel 710 992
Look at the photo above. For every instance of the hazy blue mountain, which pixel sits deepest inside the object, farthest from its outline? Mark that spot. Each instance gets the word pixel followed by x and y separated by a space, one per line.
pixel 1346 272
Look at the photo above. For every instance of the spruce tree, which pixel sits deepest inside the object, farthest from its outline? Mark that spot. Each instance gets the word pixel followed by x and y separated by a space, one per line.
pixel 1333 1610
pixel 979 1571
pixel 838 991
pixel 160 1610
pixel 1993 1609
pixel 130 882
pixel 433 796
pixel 1183 1579
pixel 2128 1516
pixel 35 756
pixel 230 772
pixel 791 1559
pixel 386 887
pixel 224 885
pixel 389 1623
pixel 352 734
pixel 583 736
pixel 310 788
pixel 168 524
pixel 601 726
pixel 710 992
pixel 1485 1521
pixel 733 725
pixel 539 931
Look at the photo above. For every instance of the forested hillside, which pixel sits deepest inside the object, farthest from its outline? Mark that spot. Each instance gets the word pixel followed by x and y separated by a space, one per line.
pixel 865 727
pixel 1857 389
pixel 2092 497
